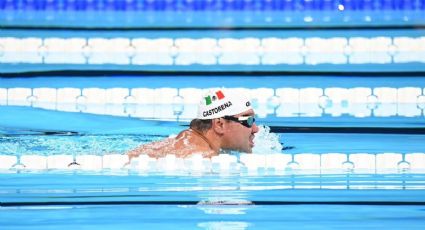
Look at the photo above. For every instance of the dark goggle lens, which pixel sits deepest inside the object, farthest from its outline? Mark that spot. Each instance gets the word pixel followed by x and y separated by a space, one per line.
pixel 245 121
pixel 248 122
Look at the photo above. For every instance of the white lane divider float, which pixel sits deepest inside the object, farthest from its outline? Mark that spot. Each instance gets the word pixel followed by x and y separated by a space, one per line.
pixel 253 163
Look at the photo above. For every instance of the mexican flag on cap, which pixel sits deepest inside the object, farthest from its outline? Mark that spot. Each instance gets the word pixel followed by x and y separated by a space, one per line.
pixel 217 96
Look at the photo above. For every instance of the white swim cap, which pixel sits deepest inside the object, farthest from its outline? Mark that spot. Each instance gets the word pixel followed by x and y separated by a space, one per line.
pixel 222 102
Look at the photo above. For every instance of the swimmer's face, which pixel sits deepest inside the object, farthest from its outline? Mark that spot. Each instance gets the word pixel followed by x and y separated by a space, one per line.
pixel 239 137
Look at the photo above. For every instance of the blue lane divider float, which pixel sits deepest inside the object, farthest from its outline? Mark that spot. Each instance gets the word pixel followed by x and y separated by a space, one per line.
pixel 211 5
pixel 210 13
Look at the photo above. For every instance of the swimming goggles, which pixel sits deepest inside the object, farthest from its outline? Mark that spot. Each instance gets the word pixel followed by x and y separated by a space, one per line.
pixel 245 121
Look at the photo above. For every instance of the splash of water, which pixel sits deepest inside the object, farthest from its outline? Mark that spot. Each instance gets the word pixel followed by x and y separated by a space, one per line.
pixel 266 142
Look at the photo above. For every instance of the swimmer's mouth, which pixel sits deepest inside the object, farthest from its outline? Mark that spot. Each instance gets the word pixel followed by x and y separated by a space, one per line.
pixel 251 141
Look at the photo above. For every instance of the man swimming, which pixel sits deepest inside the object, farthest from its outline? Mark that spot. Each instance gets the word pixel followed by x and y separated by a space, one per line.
pixel 225 121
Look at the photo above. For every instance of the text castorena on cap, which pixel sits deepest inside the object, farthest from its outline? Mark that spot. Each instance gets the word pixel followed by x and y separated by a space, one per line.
pixel 222 102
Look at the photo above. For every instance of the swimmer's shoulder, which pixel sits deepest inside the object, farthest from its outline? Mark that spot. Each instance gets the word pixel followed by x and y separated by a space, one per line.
pixel 185 133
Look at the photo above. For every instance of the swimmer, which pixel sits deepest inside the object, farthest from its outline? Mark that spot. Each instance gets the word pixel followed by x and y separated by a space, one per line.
pixel 225 122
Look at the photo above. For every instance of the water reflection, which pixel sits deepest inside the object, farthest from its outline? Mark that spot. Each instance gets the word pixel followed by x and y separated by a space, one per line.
pixel 234 225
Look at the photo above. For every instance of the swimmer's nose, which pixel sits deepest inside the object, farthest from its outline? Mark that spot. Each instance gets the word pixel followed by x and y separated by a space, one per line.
pixel 255 128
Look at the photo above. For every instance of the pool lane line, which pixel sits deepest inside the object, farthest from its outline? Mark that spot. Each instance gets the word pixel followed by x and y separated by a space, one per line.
pixel 215 73
pixel 274 129
pixel 369 130
pixel 217 28
pixel 197 203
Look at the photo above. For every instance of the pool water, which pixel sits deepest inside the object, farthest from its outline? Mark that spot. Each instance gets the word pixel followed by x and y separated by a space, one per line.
pixel 195 217
pixel 326 161
pixel 127 200
pixel 338 88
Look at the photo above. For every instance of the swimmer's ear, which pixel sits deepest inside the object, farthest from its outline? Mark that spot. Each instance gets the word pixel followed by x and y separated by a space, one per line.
pixel 218 125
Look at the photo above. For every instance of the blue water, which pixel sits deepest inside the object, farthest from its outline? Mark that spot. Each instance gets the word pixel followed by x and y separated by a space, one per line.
pixel 106 201
pixel 128 198
pixel 266 198
pixel 194 217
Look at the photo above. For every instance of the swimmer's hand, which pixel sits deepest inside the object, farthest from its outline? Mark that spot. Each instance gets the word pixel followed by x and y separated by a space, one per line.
pixel 127 163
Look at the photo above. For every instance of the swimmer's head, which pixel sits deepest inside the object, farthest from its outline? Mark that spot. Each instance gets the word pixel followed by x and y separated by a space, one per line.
pixel 229 115
pixel 222 102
